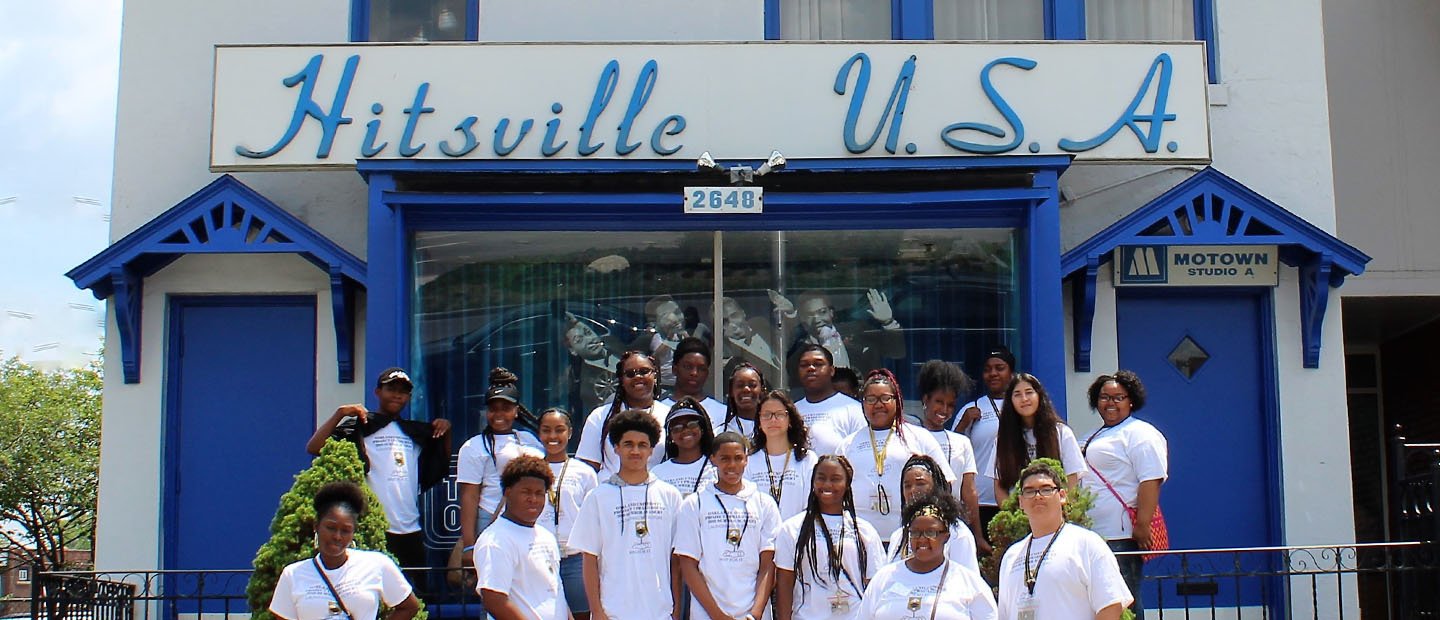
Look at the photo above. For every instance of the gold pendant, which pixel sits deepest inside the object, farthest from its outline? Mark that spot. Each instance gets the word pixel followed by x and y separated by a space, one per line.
pixel 913 604
pixel 642 529
pixel 775 492
pixel 733 537
pixel 555 497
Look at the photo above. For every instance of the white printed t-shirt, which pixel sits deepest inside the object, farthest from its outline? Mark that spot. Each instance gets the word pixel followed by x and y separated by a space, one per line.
pixel 1126 454
pixel 830 421
pixel 634 569
pixel 477 464
pixel 960 548
pixel 363 581
pixel 1078 578
pixel 791 477
pixel 827 598
pixel 1070 456
pixel 958 452
pixel 868 482
pixel 896 588
pixel 687 477
pixel 594 447
pixel 522 562
pixel 577 482
pixel 729 570
pixel 394 476
pixel 982 434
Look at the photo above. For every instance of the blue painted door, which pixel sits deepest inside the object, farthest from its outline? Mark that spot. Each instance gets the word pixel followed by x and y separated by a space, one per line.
pixel 1216 420
pixel 241 403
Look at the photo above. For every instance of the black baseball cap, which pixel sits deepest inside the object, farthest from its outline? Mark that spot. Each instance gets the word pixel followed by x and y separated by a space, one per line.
pixel 502 392
pixel 393 374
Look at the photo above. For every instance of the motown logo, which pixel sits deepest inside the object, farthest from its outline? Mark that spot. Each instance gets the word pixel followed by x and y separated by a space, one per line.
pixel 1143 264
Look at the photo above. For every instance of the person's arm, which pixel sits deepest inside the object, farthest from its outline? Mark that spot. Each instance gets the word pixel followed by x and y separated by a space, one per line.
pixel 1145 503
pixel 406 609
pixel 1110 613
pixel 1000 493
pixel 690 571
pixel 676 592
pixel 1072 481
pixel 469 511
pixel 967 417
pixel 327 428
pixel 498 605
pixel 764 584
pixel 590 573
pixel 784 594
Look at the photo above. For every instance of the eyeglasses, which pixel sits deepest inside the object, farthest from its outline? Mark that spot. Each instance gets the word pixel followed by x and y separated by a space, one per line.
pixel 685 425
pixel 1042 492
pixel 927 534
pixel 634 373
pixel 775 415
pixel 883 398
pixel 1106 398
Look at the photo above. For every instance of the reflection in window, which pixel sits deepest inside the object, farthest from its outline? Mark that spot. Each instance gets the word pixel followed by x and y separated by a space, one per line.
pixel 1140 20
pixel 418 21
pixel 828 20
pixel 981 20
pixel 558 308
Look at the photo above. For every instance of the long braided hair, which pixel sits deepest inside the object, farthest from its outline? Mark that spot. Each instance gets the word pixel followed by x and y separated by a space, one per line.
pixel 501 377
pixel 883 376
pixel 805 540
pixel 730 409
pixel 618 404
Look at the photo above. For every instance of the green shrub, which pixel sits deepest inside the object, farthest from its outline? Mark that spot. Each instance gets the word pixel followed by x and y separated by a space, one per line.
pixel 292 531
pixel 1011 524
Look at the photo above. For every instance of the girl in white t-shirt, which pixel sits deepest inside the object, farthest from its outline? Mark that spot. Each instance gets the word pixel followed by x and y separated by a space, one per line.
pixel 483 457
pixel 573 482
pixel 825 556
pixel 638 375
pixel 927 584
pixel 341 580
pixel 725 540
pixel 743 390
pixel 780 461
pixel 919 479
pixel 1031 429
pixel 688 438
pixel 942 384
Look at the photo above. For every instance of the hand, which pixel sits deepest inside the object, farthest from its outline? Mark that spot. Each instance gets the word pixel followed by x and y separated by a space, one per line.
pixel 879 307
pixel 440 426
pixel 983 548
pixel 356 410
pixel 1143 534
pixel 782 305
pixel 967 418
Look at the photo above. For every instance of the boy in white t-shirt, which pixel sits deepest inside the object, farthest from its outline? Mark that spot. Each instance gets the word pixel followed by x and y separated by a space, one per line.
pixel 692 370
pixel 518 564
pixel 626 529
pixel 1060 571
pixel 829 416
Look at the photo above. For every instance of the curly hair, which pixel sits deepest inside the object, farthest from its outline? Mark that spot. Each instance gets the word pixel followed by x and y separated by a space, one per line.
pixel 344 495
pixel 945 504
pixel 636 420
pixel 526 466
pixel 1128 381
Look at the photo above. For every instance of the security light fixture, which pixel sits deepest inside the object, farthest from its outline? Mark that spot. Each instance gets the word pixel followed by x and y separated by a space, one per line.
pixel 740 175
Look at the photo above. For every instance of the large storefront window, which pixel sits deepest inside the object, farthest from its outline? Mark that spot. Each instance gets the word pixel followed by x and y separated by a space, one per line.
pixel 559 307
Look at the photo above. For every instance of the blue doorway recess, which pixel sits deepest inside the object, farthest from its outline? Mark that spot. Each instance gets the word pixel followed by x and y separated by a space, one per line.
pixel 1206 359
pixel 240 402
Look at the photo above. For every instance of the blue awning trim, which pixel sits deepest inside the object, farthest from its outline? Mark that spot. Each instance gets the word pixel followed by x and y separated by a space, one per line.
pixel 1211 208
pixel 224 217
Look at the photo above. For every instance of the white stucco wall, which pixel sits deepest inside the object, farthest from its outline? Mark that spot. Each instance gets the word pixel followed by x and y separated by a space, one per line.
pixel 1381 63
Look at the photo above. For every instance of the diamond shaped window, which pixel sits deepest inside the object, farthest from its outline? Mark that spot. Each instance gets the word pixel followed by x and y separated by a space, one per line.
pixel 1187 357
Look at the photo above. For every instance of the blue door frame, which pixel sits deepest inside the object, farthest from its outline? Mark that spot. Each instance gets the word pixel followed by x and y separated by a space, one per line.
pixel 395 215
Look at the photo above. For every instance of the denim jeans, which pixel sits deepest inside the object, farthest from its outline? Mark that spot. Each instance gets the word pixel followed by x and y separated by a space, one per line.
pixel 1132 567
pixel 572 582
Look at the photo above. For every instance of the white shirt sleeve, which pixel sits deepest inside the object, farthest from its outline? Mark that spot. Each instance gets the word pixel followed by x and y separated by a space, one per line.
pixel 769 522
pixel 282 603
pixel 687 528
pixel 1149 455
pixel 931 448
pixel 981 606
pixel 470 463
pixel 785 547
pixel 962 455
pixel 1070 453
pixel 498 564
pixel 394 588
pixel 586 534
pixel 590 440
pixel 1107 586
pixel 874 552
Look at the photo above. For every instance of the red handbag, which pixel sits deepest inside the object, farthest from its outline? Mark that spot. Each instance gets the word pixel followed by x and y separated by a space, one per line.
pixel 1159 533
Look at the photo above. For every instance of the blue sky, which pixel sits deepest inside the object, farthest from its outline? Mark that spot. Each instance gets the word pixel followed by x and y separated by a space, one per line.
pixel 59 62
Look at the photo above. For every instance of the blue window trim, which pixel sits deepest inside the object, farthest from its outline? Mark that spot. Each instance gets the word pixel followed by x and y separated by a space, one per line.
pixel 1205 31
pixel 393 216
pixel 360 20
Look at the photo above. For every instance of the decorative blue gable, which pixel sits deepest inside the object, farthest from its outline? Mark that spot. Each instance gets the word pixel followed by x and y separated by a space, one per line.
pixel 1213 209
pixel 224 217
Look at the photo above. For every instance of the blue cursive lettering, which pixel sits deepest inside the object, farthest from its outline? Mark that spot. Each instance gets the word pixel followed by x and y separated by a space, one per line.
pixel 1156 119
pixel 898 97
pixel 644 85
pixel 305 106
pixel 412 118
pixel 1017 128
pixel 604 89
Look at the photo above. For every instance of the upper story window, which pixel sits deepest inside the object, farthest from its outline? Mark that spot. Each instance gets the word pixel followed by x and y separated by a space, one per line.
pixel 416 21
pixel 829 20
pixel 1140 20
pixel 988 20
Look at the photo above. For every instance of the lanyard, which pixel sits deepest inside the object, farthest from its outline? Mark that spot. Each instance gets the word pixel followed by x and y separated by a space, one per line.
pixel 732 535
pixel 555 491
pixel 642 525
pixel 837 550
pixel 880 452
pixel 777 487
pixel 1032 575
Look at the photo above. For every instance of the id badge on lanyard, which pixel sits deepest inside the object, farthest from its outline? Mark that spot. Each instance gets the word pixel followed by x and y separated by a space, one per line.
pixel 1026 607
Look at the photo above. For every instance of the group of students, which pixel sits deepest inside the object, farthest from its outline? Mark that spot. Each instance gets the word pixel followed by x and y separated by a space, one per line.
pixel 766 507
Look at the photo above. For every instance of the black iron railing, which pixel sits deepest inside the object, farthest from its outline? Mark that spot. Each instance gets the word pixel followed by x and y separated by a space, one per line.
pixel 1382 580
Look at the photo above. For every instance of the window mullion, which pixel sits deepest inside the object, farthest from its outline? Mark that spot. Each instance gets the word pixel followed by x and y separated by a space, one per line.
pixel 1065 20
pixel 913 19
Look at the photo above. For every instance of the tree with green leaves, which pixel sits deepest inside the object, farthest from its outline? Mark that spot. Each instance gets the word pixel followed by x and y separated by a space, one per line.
pixel 49 460
pixel 292 531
